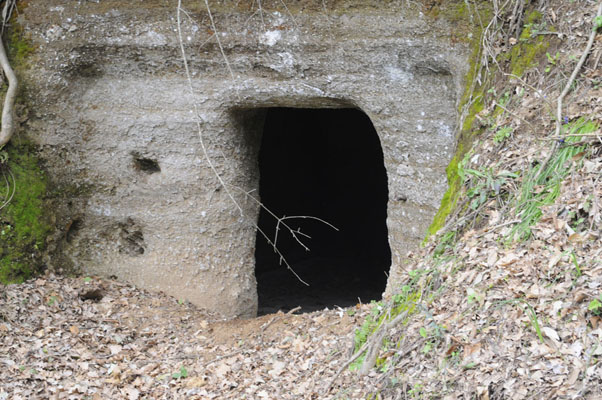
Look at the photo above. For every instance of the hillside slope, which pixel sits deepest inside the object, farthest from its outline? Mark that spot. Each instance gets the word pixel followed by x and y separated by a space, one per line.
pixel 505 302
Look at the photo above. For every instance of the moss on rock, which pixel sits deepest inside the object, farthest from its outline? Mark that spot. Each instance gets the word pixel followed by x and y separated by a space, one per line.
pixel 529 47
pixel 24 224
pixel 473 101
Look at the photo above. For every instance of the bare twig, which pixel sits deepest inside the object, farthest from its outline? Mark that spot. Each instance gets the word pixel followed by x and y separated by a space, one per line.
pixel 196 108
pixel 7 11
pixel 293 232
pixel 214 28
pixel 290 14
pixel 293 310
pixel 594 135
pixel 515 221
pixel 347 364
pixel 228 355
pixel 559 34
pixel 261 14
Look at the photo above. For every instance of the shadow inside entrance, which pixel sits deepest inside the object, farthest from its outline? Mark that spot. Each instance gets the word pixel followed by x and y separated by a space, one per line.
pixel 327 164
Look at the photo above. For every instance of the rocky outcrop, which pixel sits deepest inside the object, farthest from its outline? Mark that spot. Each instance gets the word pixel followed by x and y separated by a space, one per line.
pixel 116 123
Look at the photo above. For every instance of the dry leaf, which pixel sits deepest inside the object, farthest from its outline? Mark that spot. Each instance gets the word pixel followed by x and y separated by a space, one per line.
pixel 551 333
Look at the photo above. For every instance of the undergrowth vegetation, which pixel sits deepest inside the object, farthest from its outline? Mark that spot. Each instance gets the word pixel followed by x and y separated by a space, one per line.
pixel 541 184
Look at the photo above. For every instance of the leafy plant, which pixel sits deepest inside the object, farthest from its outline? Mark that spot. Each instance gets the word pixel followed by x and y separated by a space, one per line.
pixel 530 311
pixel 502 134
pixel 576 264
pixel 183 373
pixel 485 184
pixel 415 391
pixel 534 320
pixel 595 306
pixel 446 242
pixel 473 295
pixel 551 61
pixel 534 29
pixel 504 99
pixel 470 365
pixel 539 189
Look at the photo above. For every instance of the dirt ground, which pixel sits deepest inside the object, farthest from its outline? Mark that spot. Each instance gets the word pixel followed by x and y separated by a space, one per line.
pixel 97 339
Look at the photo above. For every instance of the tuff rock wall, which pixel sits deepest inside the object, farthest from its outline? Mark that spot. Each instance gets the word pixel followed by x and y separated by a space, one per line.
pixel 116 125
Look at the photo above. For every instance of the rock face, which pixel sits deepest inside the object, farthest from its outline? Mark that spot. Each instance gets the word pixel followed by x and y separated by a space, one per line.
pixel 127 138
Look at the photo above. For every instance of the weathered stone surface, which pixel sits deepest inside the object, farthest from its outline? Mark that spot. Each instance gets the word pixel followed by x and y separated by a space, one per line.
pixel 116 123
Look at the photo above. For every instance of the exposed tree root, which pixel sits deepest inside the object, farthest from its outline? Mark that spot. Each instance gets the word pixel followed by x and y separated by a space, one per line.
pixel 8 121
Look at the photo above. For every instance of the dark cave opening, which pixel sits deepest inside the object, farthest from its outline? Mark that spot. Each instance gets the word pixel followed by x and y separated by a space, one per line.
pixel 327 164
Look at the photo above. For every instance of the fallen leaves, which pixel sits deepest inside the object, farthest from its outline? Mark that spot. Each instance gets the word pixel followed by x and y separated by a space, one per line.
pixel 132 344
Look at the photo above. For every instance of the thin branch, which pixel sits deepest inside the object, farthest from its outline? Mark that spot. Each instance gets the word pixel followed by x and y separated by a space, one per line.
pixel 495 103
pixel 372 346
pixel 293 232
pixel 196 108
pixel 347 364
pixel 314 218
pixel 260 14
pixel 515 221
pixel 213 27
pixel 290 14
pixel 202 140
pixel 376 343
pixel 576 70
pixel 559 34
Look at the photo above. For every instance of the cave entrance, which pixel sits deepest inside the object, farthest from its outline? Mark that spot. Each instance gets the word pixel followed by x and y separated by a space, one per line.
pixel 327 164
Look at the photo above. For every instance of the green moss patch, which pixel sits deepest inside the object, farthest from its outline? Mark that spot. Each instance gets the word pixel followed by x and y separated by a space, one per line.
pixel 525 53
pixel 473 101
pixel 23 222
